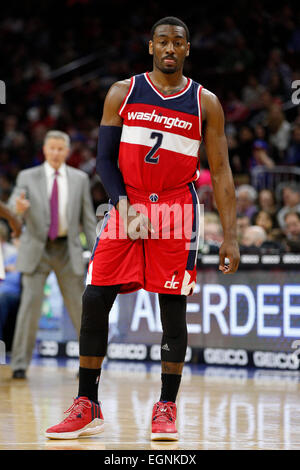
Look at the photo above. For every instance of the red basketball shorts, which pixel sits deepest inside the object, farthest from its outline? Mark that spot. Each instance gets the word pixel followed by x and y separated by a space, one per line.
pixel 165 262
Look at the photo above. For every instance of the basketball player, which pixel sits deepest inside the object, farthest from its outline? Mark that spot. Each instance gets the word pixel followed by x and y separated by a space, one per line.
pixel 16 227
pixel 13 220
pixel 152 125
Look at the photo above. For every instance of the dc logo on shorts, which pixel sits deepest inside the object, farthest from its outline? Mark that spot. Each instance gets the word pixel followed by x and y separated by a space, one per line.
pixel 153 197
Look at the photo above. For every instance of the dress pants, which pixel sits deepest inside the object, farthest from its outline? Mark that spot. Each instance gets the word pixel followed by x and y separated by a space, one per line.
pixel 56 258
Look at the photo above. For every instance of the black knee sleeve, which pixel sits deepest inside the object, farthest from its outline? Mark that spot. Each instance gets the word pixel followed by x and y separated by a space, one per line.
pixel 173 320
pixel 97 302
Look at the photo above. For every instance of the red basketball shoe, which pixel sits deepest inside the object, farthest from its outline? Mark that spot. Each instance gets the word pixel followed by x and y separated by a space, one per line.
pixel 85 419
pixel 164 422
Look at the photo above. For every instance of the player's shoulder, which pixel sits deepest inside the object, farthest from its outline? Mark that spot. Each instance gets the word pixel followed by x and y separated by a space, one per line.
pixel 210 103
pixel 208 95
pixel 122 84
pixel 119 89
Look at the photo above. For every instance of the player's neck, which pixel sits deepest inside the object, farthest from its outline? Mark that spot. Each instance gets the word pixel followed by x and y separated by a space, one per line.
pixel 168 83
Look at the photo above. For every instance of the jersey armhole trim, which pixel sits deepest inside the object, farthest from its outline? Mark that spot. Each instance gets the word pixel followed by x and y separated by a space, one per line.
pixel 124 102
pixel 200 110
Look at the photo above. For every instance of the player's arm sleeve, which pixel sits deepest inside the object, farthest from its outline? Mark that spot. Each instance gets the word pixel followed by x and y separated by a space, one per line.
pixel 107 162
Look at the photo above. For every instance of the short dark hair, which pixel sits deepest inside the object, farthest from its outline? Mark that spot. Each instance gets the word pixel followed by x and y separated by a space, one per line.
pixel 293 186
pixel 172 20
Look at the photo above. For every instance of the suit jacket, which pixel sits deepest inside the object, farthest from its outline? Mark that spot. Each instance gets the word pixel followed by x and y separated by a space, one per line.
pixel 80 215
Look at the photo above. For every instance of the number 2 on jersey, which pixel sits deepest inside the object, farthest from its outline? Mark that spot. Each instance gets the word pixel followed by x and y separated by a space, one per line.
pixel 149 158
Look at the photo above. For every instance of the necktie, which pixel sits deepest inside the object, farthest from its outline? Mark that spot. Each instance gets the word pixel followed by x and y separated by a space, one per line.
pixel 53 231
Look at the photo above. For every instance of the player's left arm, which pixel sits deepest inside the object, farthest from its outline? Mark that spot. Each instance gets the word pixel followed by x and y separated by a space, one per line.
pixel 14 222
pixel 222 180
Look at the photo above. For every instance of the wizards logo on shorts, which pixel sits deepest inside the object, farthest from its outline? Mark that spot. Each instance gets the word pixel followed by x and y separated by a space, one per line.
pixel 153 197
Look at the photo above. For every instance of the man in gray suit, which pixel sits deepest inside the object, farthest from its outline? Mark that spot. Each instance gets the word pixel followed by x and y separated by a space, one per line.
pixel 55 202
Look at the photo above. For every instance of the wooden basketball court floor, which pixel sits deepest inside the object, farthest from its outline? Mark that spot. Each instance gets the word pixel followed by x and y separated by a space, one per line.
pixel 218 408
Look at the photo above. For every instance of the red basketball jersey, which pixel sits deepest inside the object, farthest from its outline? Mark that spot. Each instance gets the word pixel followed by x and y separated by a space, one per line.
pixel 161 135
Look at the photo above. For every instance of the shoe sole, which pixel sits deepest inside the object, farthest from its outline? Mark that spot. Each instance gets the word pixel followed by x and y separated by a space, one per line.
pixel 95 427
pixel 159 436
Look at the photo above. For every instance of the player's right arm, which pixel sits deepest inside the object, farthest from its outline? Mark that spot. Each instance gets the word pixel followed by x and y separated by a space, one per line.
pixel 109 141
pixel 110 131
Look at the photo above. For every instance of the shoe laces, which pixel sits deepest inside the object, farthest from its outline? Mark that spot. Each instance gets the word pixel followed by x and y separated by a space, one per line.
pixel 163 412
pixel 78 405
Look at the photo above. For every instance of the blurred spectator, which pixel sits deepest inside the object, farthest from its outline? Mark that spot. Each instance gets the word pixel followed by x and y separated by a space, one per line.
pixel 230 32
pixel 269 223
pixel 276 64
pixel 246 197
pixel 8 248
pixel 291 201
pixel 5 186
pixel 10 131
pixel 239 57
pixel 293 152
pixel 213 234
pixel 294 43
pixel 242 222
pixel 245 143
pixel 235 110
pixel 260 155
pixel 234 157
pixel 12 219
pixel 276 86
pixel 266 100
pixel 251 92
pixel 206 37
pixel 266 201
pixel 10 290
pixel 292 231
pixel 88 162
pixel 78 144
pixel 260 132
pixel 98 192
pixel 279 129
pixel 253 239
pixel 41 85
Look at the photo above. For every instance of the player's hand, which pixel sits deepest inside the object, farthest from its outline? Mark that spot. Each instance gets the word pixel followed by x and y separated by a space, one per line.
pixel 16 226
pixel 136 224
pixel 230 250
pixel 22 204
pixel 139 226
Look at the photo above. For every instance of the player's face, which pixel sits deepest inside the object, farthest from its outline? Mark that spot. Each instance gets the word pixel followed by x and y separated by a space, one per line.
pixel 169 48
pixel 55 151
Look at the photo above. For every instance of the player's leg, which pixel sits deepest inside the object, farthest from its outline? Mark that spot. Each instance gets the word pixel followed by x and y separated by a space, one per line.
pixel 97 302
pixel 173 343
pixel 173 350
pixel 85 416
pixel 116 264
pixel 171 272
